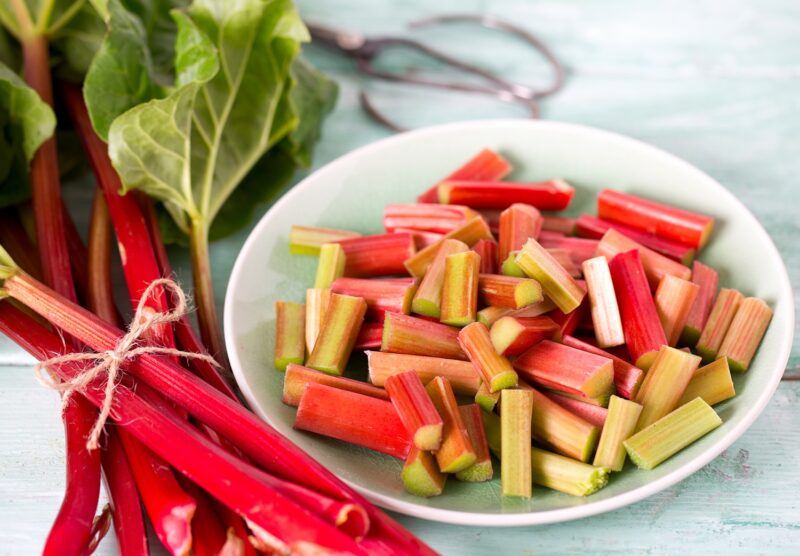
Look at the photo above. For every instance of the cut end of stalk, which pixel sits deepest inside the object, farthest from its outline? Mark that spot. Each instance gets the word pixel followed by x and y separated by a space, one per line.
pixel 645 361
pixel 428 437
pixel 478 473
pixel 426 307
pixel 421 476
pixel 501 381
pixel 353 520
pixel 485 399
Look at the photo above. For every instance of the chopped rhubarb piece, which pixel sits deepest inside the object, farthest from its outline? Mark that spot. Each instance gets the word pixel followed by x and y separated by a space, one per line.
pixel 491 424
pixel 620 425
pixel 289 334
pixel 495 370
pixel 515 443
pixel 487 249
pixel 708 280
pixel 713 383
pixel 338 334
pixel 518 223
pixel 568 322
pixel 497 290
pixel 370 336
pixel 559 286
pixel 487 399
pixel 509 266
pixel 489 315
pixel 513 335
pixel 384 295
pixel 421 239
pixel 580 249
pixel 456 452
pixel 674 299
pixel 671 434
pixel 298 377
pixel 535 309
pixel 718 322
pixel 627 377
pixel 460 374
pixel 565 474
pixel 331 264
pixel 428 297
pixel 567 369
pixel 378 255
pixel 656 266
pixel 564 258
pixel 414 336
pixel 486 165
pixel 661 220
pixel 745 333
pixel 547 195
pixel 308 240
pixel 559 224
pixel 561 429
pixel 426 217
pixel 644 335
pixel 354 418
pixel 595 228
pixel 470 233
pixel 592 413
pixel 415 409
pixel 481 470
pixel 460 288
pixel 421 475
pixel 317 300
pixel 605 311
pixel 664 384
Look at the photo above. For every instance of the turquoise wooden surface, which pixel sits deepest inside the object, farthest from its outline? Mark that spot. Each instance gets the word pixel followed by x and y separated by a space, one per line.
pixel 716 83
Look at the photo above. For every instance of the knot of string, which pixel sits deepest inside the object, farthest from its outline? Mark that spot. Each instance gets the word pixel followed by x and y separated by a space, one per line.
pixel 128 347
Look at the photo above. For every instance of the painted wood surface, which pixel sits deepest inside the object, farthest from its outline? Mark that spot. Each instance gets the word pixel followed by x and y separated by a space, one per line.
pixel 716 83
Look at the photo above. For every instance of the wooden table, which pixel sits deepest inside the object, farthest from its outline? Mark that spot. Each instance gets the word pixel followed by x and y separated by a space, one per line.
pixel 716 83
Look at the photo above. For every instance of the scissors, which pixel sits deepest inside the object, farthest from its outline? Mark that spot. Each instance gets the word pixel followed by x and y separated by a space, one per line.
pixel 364 50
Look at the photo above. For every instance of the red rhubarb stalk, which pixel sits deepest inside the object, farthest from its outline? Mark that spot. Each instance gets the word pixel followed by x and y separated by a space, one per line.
pixel 656 266
pixel 595 228
pixel 426 217
pixel 644 335
pixel 548 195
pixel 101 294
pixel 370 336
pixel 486 165
pixel 558 224
pixel 664 221
pixel 594 414
pixel 383 296
pixel 415 336
pixel 513 335
pixel 298 377
pixel 415 409
pixel 627 377
pixel 487 249
pixel 124 498
pixel 708 280
pixel 580 249
pixel 354 418
pixel 262 443
pixel 460 374
pixel 208 533
pixel 421 239
pixel 378 255
pixel 518 223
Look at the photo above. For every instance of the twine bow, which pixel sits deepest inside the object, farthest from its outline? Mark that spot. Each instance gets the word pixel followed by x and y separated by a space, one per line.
pixel 127 348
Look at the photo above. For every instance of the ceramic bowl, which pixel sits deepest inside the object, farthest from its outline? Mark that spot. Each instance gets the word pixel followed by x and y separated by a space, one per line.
pixel 350 193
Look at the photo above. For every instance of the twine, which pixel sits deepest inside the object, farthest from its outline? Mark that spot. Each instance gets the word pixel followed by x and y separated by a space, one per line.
pixel 110 362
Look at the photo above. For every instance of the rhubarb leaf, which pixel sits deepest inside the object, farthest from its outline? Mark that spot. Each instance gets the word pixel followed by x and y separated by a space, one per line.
pixel 25 123
pixel 192 148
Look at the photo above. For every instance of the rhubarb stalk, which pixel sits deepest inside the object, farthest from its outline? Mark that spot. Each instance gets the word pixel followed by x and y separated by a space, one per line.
pixel 421 475
pixel 674 300
pixel 497 290
pixel 515 427
pixel 620 425
pixel 486 165
pixel 627 378
pixel 460 374
pixel 707 280
pixel 605 311
pixel 337 337
pixel 481 470
pixel 416 410
pixel 298 377
pixel 664 384
pixel 331 265
pixel 289 334
pixel 655 265
pixel 719 320
pixel 518 223
pixel 713 383
pixel 456 452
pixel 745 333
pixel 547 195
pixel 385 295
pixel 559 286
pixel 414 336
pixel 428 298
pixel 495 370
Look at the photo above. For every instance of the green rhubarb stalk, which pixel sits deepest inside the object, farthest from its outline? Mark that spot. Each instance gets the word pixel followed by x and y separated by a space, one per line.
pixel 745 333
pixel 536 262
pixel 308 240
pixel 330 266
pixel 515 448
pixel 672 433
pixel 664 384
pixel 488 315
pixel 494 437
pixel 486 399
pixel 428 299
pixel 460 288
pixel 338 334
pixel 495 369
pixel 456 452
pixel 713 383
pixel 289 334
pixel 317 300
pixel 421 475
pixel 565 474
pixel 481 470
pixel 719 320
pixel 619 426
pixel 509 266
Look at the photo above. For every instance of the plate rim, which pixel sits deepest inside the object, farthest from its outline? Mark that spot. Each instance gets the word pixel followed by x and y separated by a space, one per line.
pixel 546 516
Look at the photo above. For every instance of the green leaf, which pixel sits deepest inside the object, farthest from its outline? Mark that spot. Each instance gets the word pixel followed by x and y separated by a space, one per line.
pixel 76 41
pixel 121 74
pixel 192 148
pixel 25 123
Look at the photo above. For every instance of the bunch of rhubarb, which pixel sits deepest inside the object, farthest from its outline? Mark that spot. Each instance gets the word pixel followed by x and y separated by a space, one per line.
pixel 559 345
